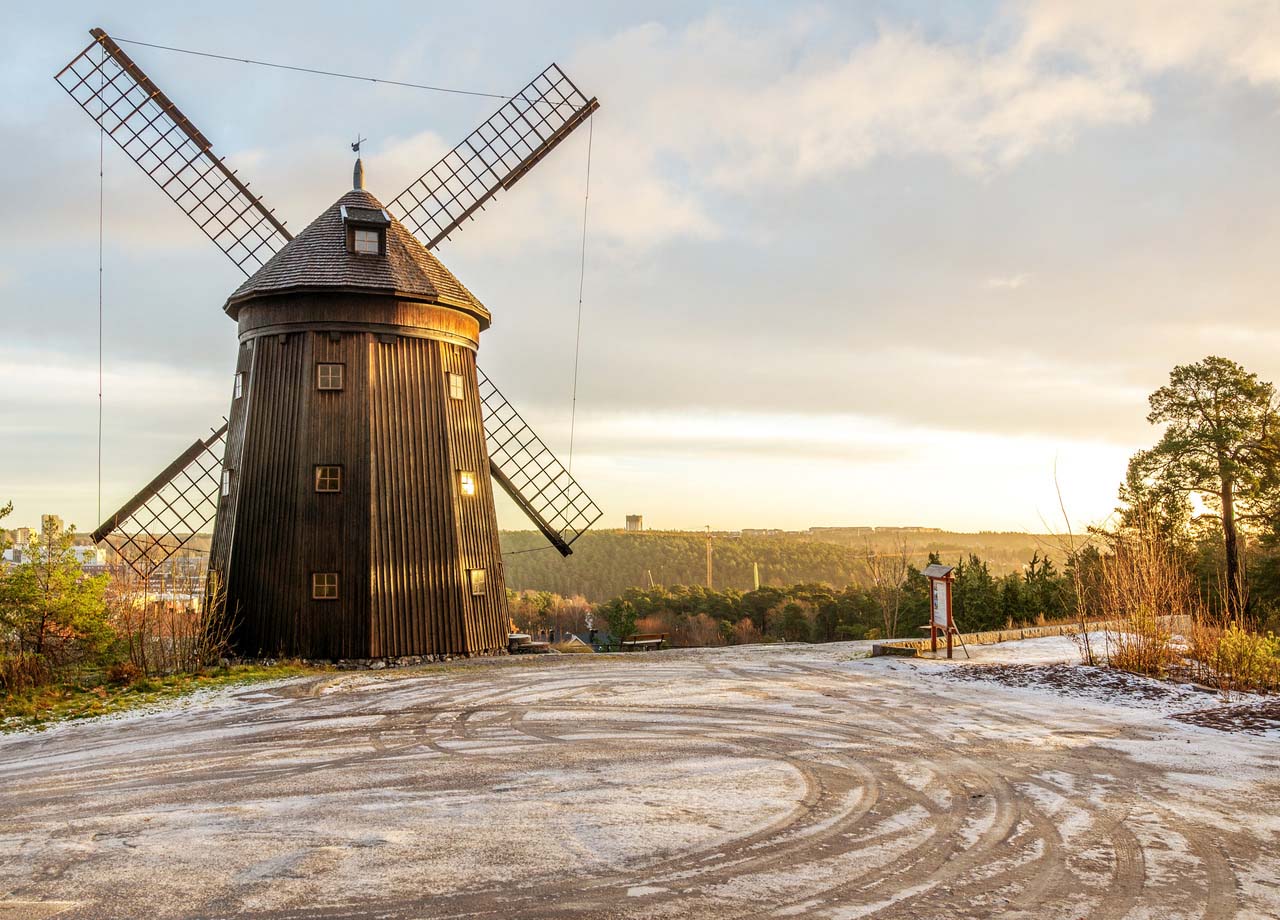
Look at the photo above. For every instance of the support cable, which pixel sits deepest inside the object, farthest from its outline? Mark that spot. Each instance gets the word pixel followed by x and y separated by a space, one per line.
pixel 323 73
pixel 521 552
pixel 582 274
pixel 102 133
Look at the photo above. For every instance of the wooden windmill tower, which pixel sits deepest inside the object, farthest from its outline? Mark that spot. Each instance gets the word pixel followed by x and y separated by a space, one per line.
pixel 351 484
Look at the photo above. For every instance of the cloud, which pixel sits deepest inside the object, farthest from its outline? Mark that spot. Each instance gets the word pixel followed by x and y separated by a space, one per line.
pixel 46 382
pixel 750 106
pixel 1007 282
pixel 696 117
pixel 1225 39
pixel 720 107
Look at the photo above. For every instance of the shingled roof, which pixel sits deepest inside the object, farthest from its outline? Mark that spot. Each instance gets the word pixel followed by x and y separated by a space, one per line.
pixel 317 260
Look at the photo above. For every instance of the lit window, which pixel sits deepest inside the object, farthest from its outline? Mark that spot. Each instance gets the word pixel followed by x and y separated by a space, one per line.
pixel 328 479
pixel 226 482
pixel 367 242
pixel 239 388
pixel 466 482
pixel 456 385
pixel 324 586
pixel 477 582
pixel 329 376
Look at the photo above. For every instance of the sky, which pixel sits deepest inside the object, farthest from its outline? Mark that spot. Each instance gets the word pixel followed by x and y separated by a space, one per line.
pixel 877 263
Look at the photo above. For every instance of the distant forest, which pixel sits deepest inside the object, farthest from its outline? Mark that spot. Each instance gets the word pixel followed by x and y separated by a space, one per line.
pixel 606 563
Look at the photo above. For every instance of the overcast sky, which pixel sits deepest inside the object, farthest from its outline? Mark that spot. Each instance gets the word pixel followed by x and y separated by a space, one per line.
pixel 847 264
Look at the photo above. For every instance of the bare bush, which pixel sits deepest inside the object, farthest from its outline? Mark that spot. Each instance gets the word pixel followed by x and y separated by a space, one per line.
pixel 164 635
pixel 701 630
pixel 745 632
pixel 22 672
pixel 1144 588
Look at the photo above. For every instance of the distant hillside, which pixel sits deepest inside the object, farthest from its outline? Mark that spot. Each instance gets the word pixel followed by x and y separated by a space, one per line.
pixel 605 563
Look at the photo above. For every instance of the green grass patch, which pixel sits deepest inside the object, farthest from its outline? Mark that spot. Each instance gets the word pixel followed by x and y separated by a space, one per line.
pixel 92 695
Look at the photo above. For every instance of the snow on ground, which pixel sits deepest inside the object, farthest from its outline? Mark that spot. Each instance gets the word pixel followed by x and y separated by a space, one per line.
pixel 1048 650
pixel 785 780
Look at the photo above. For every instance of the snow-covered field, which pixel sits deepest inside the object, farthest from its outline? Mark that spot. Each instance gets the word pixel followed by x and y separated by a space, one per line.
pixel 783 781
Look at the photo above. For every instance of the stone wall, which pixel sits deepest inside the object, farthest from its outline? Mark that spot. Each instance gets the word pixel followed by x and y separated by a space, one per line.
pixel 912 647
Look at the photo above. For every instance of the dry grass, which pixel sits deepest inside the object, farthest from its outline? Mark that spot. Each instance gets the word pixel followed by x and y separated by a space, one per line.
pixel 97 695
pixel 1142 588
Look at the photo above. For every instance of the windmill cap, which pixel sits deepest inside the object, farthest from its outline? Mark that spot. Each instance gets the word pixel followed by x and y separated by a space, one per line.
pixel 317 261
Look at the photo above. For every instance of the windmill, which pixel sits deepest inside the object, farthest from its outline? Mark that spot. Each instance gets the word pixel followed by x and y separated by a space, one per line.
pixel 351 484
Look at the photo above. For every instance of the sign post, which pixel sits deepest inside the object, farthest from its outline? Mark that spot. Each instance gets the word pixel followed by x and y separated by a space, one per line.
pixel 940 616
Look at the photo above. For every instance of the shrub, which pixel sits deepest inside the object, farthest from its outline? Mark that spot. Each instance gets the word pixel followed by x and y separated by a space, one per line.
pixel 1236 658
pixel 123 672
pixel 22 672
pixel 160 637
pixel 745 632
pixel 1141 589
pixel 701 630
pixel 52 615
pixel 1142 645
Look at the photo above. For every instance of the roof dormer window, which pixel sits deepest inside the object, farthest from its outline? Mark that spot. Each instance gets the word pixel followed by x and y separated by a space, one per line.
pixel 367 242
pixel 366 230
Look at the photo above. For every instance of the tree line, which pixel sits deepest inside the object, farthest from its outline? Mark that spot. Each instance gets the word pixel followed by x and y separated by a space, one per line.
pixel 818 612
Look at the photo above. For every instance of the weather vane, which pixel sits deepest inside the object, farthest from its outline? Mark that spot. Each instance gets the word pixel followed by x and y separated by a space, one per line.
pixel 355 147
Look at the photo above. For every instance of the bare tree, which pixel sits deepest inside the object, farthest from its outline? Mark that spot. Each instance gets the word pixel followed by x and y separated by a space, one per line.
pixel 888 572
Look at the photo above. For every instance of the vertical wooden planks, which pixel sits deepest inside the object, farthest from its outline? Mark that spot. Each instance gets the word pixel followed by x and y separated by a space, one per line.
pixel 400 534
pixel 264 563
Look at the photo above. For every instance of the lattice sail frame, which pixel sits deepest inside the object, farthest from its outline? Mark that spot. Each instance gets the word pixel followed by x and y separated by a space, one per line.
pixel 493 157
pixel 115 93
pixel 529 472
pixel 175 506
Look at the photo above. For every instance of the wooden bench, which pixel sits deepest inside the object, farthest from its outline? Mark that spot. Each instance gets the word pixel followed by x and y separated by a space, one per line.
pixel 642 642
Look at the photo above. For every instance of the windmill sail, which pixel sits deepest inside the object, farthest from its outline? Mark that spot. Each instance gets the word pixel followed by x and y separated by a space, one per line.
pixel 155 134
pixel 493 157
pixel 176 506
pixel 529 472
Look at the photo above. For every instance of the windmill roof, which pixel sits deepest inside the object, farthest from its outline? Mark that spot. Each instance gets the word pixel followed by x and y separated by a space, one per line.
pixel 317 260
pixel 367 215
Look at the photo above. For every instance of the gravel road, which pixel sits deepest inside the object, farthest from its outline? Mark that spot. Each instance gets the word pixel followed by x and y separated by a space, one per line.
pixel 750 782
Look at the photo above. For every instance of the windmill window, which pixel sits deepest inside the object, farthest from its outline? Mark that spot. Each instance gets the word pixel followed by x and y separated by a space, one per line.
pixel 477 582
pixel 329 376
pixel 456 386
pixel 239 385
pixel 367 242
pixel 328 478
pixel 366 230
pixel 466 482
pixel 226 482
pixel 324 586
